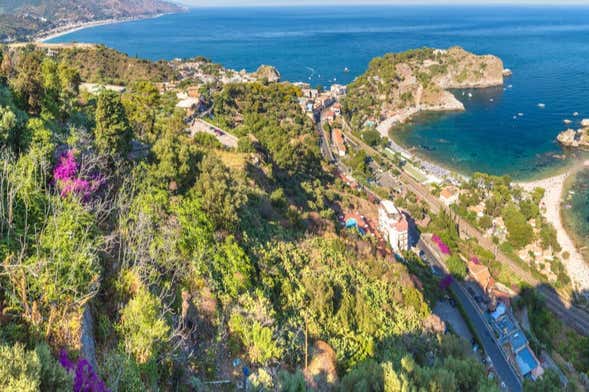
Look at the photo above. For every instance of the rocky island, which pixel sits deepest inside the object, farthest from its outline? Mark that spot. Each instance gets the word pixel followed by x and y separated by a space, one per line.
pixel 399 85
pixel 575 138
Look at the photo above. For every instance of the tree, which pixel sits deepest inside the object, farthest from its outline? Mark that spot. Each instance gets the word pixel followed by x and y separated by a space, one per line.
pixel 256 338
pixel 550 382
pixel 233 267
pixel 372 137
pixel 520 232
pixel 141 104
pixel 112 133
pixel 142 327
pixel 175 154
pixel 28 84
pixel 221 194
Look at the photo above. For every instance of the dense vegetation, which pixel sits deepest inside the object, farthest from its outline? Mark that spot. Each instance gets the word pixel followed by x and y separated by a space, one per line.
pixel 100 64
pixel 183 256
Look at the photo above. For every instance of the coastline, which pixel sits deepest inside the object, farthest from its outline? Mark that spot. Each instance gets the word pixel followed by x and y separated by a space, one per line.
pixel 581 242
pixel 44 36
pixel 577 267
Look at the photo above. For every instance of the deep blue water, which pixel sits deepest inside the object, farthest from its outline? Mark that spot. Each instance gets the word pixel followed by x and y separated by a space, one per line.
pixel 547 49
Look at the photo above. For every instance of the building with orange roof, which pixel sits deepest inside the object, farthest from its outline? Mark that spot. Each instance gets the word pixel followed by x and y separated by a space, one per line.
pixel 480 273
pixel 449 195
pixel 338 142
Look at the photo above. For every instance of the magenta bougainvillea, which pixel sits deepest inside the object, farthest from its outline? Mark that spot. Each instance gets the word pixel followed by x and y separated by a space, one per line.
pixel 85 378
pixel 475 260
pixel 441 245
pixel 67 178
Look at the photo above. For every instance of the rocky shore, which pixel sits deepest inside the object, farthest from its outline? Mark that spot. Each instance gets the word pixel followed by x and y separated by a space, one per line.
pixel 576 138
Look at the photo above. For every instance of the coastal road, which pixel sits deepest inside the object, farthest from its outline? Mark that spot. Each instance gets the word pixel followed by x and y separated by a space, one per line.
pixel 325 148
pixel 560 305
pixel 481 328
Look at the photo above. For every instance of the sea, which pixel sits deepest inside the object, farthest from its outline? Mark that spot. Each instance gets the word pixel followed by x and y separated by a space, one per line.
pixel 504 131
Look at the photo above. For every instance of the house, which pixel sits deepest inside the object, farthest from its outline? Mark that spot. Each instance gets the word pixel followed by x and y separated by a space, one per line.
pixel 481 275
pixel 449 195
pixel 479 210
pixel 190 105
pixel 310 93
pixel 330 116
pixel 337 139
pixel 193 91
pixel 338 89
pixel 393 225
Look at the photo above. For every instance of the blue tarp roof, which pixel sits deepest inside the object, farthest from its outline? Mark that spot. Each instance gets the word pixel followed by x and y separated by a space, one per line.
pixel 526 361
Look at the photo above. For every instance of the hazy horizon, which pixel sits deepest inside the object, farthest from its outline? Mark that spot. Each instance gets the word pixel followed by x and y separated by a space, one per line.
pixel 281 3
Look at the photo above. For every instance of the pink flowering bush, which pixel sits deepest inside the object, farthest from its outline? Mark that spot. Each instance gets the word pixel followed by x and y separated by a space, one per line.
pixel 85 378
pixel 441 245
pixel 475 260
pixel 67 178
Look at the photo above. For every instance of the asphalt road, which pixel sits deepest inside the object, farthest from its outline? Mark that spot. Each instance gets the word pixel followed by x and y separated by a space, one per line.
pixel 482 330
pixel 573 316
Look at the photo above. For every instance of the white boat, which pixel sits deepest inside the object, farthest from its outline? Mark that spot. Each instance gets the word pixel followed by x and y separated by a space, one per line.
pixel 491 100
pixel 510 86
pixel 520 114
pixel 575 114
pixel 567 121
pixel 470 95
pixel 541 105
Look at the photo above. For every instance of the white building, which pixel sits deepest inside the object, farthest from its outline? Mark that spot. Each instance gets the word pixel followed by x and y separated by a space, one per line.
pixel 393 225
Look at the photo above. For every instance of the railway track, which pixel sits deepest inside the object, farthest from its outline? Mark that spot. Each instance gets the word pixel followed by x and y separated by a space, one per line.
pixel 570 314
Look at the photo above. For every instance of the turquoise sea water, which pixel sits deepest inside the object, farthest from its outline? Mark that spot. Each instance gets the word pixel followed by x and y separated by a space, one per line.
pixel 576 211
pixel 546 47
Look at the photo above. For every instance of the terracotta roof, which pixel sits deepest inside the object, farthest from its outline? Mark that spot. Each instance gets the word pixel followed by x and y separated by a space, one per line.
pixel 448 192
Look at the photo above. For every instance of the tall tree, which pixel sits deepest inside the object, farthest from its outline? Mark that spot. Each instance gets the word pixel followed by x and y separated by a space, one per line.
pixel 112 133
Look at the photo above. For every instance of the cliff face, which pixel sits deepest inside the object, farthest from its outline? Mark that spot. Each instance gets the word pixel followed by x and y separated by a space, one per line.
pixel 418 80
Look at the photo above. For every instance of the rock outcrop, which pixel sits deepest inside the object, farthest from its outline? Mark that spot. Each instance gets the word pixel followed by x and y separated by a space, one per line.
pixel 267 72
pixel 419 80
pixel 575 139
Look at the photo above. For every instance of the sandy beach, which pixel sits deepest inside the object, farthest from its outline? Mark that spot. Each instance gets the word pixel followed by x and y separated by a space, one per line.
pixel 64 30
pixel 577 267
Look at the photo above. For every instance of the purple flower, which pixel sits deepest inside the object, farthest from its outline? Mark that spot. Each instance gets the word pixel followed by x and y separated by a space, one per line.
pixel 67 167
pixel 65 361
pixel 441 245
pixel 67 179
pixel 475 260
pixel 85 378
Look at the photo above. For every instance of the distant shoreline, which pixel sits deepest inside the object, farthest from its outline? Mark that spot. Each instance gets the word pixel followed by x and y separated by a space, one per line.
pixel 57 32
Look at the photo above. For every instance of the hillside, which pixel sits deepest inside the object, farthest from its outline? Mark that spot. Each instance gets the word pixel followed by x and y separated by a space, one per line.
pixel 194 263
pixel 401 84
pixel 23 18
